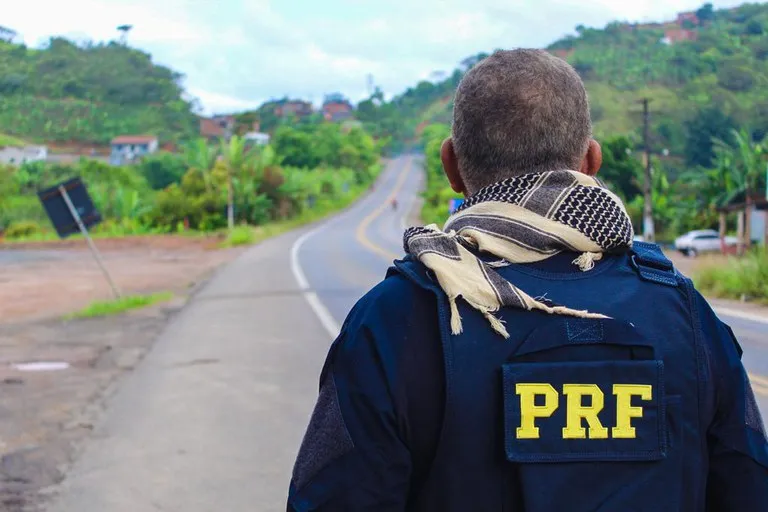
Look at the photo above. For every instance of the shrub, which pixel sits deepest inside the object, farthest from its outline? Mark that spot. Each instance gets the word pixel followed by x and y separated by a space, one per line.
pixel 240 235
pixel 22 229
pixel 740 277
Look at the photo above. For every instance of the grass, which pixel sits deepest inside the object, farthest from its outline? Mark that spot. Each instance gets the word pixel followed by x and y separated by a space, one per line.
pixel 739 278
pixel 240 235
pixel 121 305
pixel 8 140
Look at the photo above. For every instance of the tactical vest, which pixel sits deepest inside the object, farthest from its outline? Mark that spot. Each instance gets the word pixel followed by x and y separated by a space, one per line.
pixel 573 414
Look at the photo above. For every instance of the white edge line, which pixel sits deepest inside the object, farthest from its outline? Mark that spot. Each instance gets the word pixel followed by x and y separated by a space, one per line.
pixel 741 314
pixel 322 313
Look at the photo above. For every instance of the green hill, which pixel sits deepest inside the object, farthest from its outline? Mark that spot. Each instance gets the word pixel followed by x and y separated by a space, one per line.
pixel 89 93
pixel 706 72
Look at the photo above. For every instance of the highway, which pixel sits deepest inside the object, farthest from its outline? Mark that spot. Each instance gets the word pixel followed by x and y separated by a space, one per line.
pixel 213 416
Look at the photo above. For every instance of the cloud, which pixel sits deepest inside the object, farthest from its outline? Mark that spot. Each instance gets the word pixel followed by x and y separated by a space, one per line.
pixel 237 53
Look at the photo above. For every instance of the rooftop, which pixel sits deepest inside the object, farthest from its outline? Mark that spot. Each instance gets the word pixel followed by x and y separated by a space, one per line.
pixel 134 139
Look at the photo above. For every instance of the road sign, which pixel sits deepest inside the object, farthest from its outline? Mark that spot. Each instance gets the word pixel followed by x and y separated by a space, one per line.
pixel 70 209
pixel 454 204
pixel 56 207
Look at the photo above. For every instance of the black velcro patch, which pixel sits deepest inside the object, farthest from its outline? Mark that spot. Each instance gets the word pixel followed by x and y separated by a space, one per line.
pixel 326 439
pixel 590 411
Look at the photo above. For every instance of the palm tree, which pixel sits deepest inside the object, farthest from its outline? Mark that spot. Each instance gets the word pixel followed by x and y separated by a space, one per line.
pixel 744 160
pixel 237 160
pixel 201 156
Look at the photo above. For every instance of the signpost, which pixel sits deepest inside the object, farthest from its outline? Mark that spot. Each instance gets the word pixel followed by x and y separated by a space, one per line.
pixel 453 205
pixel 71 209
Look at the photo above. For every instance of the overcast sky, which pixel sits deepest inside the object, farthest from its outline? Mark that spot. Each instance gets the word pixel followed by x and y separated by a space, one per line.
pixel 237 53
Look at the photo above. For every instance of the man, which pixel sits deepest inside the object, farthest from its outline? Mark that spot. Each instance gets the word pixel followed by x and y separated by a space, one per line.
pixel 530 356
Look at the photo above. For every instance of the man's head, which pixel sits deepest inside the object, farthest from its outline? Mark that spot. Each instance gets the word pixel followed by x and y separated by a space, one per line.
pixel 518 112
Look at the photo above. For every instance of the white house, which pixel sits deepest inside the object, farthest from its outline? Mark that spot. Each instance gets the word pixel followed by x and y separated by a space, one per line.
pixel 257 138
pixel 19 155
pixel 127 148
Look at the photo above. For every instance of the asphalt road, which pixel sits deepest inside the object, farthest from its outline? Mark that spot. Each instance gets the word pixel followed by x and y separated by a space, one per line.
pixel 212 417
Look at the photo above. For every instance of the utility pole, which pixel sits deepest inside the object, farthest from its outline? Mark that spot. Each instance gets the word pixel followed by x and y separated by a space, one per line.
pixel 230 189
pixel 649 234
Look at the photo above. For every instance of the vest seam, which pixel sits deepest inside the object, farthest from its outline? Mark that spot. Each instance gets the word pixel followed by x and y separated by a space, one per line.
pixel 564 276
pixel 702 363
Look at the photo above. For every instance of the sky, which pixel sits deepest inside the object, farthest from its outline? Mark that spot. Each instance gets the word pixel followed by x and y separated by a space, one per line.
pixel 236 54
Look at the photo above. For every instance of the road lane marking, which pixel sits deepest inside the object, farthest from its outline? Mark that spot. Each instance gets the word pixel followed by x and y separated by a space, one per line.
pixel 360 234
pixel 322 313
pixel 763 319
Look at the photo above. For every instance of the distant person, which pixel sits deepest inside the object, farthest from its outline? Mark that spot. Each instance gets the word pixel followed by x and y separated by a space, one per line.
pixel 393 202
pixel 529 356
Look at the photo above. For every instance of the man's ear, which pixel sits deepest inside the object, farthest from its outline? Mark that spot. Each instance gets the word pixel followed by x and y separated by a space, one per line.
pixel 593 159
pixel 451 167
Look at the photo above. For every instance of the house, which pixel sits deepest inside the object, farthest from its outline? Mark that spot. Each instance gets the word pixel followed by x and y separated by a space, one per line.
pixel 211 129
pixel 752 216
pixel 563 53
pixel 337 110
pixel 128 148
pixel 676 35
pixel 687 18
pixel 256 138
pixel 290 108
pixel 20 155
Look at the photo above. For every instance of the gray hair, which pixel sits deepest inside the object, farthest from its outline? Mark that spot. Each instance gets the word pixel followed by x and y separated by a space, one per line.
pixel 516 112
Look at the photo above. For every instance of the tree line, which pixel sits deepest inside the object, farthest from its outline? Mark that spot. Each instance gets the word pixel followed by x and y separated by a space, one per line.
pixel 190 190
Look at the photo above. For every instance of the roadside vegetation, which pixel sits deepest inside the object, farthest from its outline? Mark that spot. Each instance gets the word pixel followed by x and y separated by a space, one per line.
pixel 188 192
pixel 743 278
pixel 121 305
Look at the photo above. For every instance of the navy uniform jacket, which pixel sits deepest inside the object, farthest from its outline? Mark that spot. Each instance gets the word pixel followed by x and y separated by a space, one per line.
pixel 410 417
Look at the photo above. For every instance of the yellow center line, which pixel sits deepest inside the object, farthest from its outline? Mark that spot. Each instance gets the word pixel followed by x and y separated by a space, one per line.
pixel 360 233
pixel 759 383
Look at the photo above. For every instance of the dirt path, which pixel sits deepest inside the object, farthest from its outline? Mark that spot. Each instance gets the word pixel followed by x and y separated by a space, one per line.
pixel 46 415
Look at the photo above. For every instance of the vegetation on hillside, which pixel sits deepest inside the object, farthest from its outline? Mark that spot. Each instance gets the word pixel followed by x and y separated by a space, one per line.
pixel 89 93
pixel 709 112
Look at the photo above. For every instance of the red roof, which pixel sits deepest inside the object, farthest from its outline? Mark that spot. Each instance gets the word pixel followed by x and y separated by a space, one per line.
pixel 134 139
pixel 210 128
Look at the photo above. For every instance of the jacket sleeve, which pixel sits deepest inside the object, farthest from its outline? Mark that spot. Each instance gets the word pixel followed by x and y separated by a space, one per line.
pixel 738 451
pixel 352 456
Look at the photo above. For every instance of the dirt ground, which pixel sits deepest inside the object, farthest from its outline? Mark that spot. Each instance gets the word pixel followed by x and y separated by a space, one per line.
pixel 45 415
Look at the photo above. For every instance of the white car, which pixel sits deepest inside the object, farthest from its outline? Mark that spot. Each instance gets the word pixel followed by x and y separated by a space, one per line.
pixel 705 240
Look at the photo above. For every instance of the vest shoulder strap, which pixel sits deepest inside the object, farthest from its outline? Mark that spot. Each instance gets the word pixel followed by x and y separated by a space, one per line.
pixel 414 271
pixel 652 265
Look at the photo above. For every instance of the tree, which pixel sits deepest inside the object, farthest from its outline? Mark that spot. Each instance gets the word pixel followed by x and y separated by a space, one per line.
pixel 201 158
pixel 706 124
pixel 747 167
pixel 162 169
pixel 234 157
pixel 705 13
pixel 754 28
pixel 620 167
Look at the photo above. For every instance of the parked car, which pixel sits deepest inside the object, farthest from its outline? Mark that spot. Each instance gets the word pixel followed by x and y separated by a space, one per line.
pixel 705 240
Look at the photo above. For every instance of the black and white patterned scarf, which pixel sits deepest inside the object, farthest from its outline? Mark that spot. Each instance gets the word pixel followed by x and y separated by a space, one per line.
pixel 523 219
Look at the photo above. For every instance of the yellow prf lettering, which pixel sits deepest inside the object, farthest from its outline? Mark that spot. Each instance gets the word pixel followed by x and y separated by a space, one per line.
pixel 576 412
pixel 529 411
pixel 624 409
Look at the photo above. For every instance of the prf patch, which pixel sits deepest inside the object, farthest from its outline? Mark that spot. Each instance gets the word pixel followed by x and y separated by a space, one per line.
pixel 596 411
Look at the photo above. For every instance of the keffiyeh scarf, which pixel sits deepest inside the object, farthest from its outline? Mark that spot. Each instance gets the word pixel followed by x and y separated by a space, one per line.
pixel 523 219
